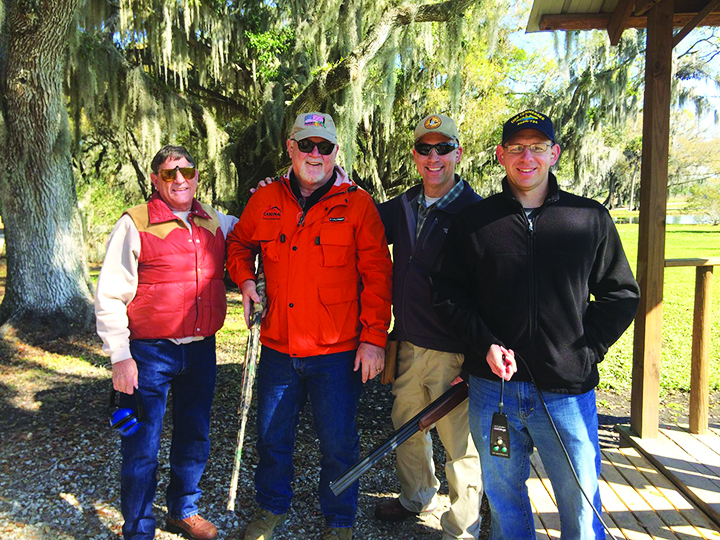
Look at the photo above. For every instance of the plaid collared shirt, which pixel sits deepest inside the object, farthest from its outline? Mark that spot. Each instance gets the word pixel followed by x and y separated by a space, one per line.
pixel 424 211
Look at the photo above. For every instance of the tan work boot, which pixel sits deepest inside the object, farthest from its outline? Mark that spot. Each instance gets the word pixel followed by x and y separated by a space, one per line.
pixel 263 524
pixel 337 533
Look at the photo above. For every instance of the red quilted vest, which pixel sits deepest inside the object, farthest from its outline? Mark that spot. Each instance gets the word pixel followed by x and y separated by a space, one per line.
pixel 180 275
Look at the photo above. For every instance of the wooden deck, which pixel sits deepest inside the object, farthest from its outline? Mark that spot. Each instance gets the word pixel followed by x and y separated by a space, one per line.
pixel 639 502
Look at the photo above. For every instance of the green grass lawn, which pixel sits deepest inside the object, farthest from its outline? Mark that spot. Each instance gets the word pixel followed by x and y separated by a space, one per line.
pixel 682 241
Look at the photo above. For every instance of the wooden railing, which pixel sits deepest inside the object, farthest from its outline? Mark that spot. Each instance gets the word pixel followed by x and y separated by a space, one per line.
pixel 702 316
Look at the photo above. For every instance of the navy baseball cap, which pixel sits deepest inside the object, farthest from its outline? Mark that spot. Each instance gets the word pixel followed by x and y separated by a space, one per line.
pixel 529 120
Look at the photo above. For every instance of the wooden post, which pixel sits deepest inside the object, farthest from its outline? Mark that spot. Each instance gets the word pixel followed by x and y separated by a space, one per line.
pixel 700 368
pixel 653 200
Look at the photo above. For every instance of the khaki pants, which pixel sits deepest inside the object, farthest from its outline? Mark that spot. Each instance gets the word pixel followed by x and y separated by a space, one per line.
pixel 422 376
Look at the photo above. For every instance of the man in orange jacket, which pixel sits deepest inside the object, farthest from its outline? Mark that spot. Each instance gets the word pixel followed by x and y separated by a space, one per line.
pixel 328 274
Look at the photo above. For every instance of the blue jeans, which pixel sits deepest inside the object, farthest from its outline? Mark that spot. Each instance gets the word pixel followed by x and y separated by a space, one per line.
pixel 189 370
pixel 283 386
pixel 575 417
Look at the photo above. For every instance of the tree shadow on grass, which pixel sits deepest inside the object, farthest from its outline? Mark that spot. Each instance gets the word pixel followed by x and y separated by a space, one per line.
pixel 85 346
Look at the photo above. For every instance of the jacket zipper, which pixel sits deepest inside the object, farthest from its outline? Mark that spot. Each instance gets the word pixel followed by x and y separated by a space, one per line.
pixel 531 273
pixel 301 221
pixel 410 260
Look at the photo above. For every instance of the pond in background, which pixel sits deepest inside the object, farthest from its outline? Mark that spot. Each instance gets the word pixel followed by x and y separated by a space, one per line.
pixel 686 219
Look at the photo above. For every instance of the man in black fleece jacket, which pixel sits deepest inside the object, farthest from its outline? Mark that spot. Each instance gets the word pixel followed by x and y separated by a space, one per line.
pixel 536 283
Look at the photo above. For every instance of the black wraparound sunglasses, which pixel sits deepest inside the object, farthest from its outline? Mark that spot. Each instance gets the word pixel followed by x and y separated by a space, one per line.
pixel 306 146
pixel 442 148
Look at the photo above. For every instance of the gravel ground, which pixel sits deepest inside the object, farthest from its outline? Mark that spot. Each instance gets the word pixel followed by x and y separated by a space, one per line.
pixel 59 461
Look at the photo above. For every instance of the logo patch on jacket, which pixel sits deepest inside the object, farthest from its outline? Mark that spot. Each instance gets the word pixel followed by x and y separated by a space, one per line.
pixel 272 213
pixel 337 219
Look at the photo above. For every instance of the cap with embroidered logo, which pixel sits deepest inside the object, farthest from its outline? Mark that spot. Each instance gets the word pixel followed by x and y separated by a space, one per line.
pixel 437 123
pixel 314 124
pixel 529 120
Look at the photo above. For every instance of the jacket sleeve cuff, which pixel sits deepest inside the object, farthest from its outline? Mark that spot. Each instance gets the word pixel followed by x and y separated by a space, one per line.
pixel 374 338
pixel 243 276
pixel 123 353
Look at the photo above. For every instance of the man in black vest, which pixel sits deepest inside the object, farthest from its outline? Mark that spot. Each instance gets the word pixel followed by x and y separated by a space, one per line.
pixel 430 356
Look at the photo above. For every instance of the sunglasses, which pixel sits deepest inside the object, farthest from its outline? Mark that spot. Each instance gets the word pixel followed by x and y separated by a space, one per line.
pixel 306 146
pixel 168 175
pixel 442 148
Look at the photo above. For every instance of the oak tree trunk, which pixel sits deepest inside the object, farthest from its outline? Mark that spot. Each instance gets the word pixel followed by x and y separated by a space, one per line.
pixel 47 277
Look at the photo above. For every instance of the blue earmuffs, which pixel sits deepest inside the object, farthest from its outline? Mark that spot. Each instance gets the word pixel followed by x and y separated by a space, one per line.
pixel 126 421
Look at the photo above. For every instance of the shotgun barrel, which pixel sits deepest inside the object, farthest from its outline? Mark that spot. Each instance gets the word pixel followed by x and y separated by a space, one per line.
pixel 420 422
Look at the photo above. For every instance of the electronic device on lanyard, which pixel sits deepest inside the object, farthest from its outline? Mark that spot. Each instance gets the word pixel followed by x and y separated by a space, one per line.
pixel 499 433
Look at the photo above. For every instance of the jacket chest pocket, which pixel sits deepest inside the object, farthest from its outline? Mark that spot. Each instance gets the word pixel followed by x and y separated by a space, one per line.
pixel 268 236
pixel 335 242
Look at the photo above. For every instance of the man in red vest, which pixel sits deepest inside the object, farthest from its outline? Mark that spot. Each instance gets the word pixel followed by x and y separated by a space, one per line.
pixel 160 299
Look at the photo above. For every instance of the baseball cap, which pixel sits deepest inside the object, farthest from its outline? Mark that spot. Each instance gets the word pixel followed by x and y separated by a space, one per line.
pixel 528 120
pixel 437 123
pixel 314 124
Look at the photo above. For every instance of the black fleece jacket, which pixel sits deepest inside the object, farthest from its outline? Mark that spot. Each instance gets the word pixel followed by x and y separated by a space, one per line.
pixel 415 318
pixel 502 279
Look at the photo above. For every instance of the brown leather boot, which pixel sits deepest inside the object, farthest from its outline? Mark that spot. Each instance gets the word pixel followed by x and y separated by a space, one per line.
pixel 393 510
pixel 193 527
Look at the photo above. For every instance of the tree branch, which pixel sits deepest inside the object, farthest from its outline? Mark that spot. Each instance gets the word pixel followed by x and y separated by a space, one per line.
pixel 267 154
pixel 343 73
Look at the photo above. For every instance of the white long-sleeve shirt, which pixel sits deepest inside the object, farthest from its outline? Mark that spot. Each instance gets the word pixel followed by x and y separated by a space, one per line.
pixel 118 281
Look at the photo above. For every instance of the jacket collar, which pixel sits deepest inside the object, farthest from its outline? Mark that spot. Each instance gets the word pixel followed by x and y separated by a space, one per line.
pixel 160 212
pixel 342 181
pixel 553 190
pixel 454 207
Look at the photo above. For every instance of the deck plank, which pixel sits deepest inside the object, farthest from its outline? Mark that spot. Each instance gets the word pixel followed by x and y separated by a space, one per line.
pixel 708 461
pixel 711 439
pixel 614 510
pixel 541 494
pixel 617 505
pixel 639 501
pixel 672 523
pixel 700 522
pixel 638 518
pixel 681 469
pixel 541 503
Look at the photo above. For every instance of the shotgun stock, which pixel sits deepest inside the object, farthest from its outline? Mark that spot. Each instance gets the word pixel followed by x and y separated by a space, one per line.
pixel 420 422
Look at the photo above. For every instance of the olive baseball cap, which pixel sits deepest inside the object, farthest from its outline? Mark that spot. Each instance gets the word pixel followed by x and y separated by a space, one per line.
pixel 529 120
pixel 314 124
pixel 437 123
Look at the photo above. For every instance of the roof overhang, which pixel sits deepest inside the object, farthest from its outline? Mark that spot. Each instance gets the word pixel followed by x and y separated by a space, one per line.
pixel 615 16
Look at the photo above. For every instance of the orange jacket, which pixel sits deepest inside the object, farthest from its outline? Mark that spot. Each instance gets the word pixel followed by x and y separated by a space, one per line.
pixel 328 275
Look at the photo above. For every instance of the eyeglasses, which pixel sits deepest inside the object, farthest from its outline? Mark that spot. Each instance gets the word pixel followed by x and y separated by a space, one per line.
pixel 306 146
pixel 168 175
pixel 535 148
pixel 442 148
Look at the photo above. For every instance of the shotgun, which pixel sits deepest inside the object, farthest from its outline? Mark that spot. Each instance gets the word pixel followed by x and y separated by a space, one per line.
pixel 420 422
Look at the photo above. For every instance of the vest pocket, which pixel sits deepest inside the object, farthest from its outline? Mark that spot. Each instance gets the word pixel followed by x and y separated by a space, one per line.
pixel 339 316
pixel 335 242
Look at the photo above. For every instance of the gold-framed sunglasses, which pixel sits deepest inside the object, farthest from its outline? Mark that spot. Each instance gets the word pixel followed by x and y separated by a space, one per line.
pixel 168 175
